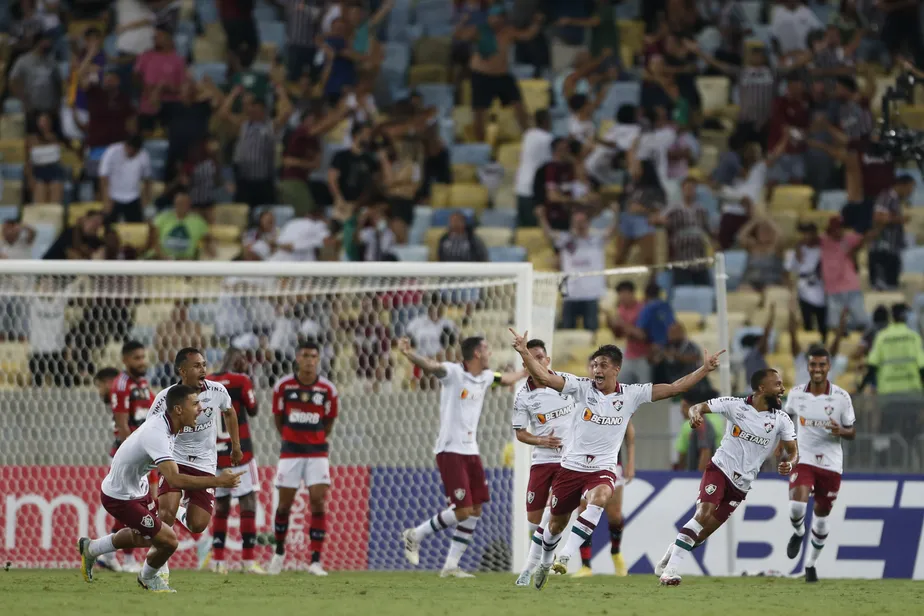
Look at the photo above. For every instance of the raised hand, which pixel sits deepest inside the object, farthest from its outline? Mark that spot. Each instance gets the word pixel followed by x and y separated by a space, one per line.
pixel 519 342
pixel 711 362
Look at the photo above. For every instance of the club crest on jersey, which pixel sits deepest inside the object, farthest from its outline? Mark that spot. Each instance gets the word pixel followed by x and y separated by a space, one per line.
pixel 793 477
pixel 768 427
pixel 147 521
pixel 459 494
pixel 737 432
pixel 829 408
pixel 710 489
pixel 554 501
pixel 530 497
pixel 819 457
pixel 600 420
pixel 617 405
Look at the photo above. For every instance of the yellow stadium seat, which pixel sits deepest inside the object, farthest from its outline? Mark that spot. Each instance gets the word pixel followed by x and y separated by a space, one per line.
pixel 779 297
pixel 882 298
pixel 133 234
pixel 338 133
pixel 228 234
pixel 566 342
pixel 714 93
pixel 465 93
pixel 792 198
pixel 631 34
pixel 12 192
pixel 427 73
pixel 505 198
pixel 912 116
pixel 12 150
pixel 494 236
pixel 237 214
pixel 464 172
pixel 432 240
pixel 708 160
pixel 439 195
pixel 225 251
pixel 532 239
pixel 76 210
pixel 433 50
pixel 268 52
pixel 205 50
pixel 536 94
pixel 462 119
pixel 745 302
pixel 544 260
pixel 468 195
pixel 49 213
pixel 508 155
pixel 13 126
pixel 693 321
pixel 605 127
pixel 819 217
pixel 916 224
pixel 14 363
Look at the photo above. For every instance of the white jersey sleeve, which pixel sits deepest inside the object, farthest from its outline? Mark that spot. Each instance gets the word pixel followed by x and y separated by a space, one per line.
pixel 159 406
pixel 520 410
pixel 576 386
pixel 848 417
pixel 787 430
pixel 453 373
pixel 158 445
pixel 637 395
pixel 724 406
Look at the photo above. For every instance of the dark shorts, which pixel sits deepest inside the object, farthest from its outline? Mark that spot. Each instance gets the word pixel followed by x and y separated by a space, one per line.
pixel 48 173
pixel 485 88
pixel 569 487
pixel 541 477
pixel 203 499
pixel 718 489
pixel 140 514
pixel 463 479
pixel 824 484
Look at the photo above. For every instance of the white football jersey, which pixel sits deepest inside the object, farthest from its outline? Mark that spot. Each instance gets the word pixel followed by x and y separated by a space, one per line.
pixel 461 402
pixel 750 437
pixel 144 449
pixel 813 415
pixel 599 423
pixel 197 447
pixel 542 411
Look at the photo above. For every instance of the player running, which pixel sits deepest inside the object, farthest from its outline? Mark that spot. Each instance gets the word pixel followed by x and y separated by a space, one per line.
pixel 232 376
pixel 753 428
pixel 457 457
pixel 541 418
pixel 591 454
pixel 825 416
pixel 126 496
pixel 305 406
pixel 195 449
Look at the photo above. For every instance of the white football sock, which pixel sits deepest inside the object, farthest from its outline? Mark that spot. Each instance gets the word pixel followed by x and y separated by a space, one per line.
pixel 818 538
pixel 549 543
pixel 535 542
pixel 582 530
pixel 148 572
pixel 441 521
pixel 461 539
pixel 687 539
pixel 101 546
pixel 797 517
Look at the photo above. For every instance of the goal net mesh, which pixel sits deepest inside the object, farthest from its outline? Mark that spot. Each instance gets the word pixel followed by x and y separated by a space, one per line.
pixel 56 432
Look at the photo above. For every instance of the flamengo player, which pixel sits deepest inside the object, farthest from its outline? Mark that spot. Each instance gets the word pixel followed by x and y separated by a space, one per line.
pixel 541 418
pixel 457 457
pixel 240 388
pixel 825 416
pixel 195 449
pixel 754 427
pixel 591 454
pixel 305 406
pixel 125 493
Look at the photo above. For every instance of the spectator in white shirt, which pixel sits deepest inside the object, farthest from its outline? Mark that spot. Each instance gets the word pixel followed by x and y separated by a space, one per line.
pixel 48 335
pixel 15 243
pixel 791 23
pixel 432 332
pixel 16 240
pixel 301 239
pixel 804 264
pixel 125 180
pixel 535 151
pixel 602 162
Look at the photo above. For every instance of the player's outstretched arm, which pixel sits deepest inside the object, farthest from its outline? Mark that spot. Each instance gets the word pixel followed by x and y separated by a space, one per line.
pixel 540 373
pixel 662 391
pixel 230 419
pixel 427 364
pixel 171 474
pixel 696 412
pixel 510 378
pixel 548 442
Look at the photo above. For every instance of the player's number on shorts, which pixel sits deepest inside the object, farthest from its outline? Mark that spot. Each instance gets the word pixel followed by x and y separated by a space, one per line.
pixel 224 437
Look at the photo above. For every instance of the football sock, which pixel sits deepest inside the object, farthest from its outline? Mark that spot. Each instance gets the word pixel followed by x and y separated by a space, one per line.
pixel 582 531
pixel 316 533
pixel 219 535
pixel 441 521
pixel 248 535
pixel 615 537
pixel 535 542
pixel 281 528
pixel 101 546
pixel 148 572
pixel 797 517
pixel 549 543
pixel 818 538
pixel 532 528
pixel 586 553
pixel 685 542
pixel 461 539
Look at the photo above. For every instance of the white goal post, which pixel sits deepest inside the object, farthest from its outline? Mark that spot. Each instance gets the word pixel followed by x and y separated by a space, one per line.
pixel 382 444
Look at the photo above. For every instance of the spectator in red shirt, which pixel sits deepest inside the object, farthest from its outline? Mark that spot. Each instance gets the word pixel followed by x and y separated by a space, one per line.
pixel 557 185
pixel 790 111
pixel 635 366
pixel 160 72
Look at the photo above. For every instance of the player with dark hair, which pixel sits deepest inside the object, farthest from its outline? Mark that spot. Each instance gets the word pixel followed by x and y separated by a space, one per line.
pixel 541 418
pixel 125 493
pixel 195 450
pixel 824 415
pixel 590 459
pixel 305 407
pixel 754 426
pixel 232 375
pixel 458 459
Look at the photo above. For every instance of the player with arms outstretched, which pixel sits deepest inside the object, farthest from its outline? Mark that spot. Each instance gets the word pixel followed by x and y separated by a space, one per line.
pixel 754 426
pixel 195 450
pixel 305 407
pixel 232 376
pixel 591 454
pixel 126 496
pixel 462 394
pixel 541 418
pixel 824 416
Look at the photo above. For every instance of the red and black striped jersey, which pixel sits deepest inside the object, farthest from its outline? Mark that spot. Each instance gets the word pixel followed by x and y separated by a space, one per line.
pixel 132 397
pixel 305 410
pixel 240 388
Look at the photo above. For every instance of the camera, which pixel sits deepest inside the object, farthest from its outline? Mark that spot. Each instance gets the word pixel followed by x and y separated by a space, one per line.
pixel 895 140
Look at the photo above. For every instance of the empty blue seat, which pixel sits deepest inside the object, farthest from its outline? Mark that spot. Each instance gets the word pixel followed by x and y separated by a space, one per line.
pixel 272 32
pixel 471 153
pixel 439 95
pixel 709 39
pixel 11 171
pixel 45 236
pixel 423 218
pixel 207 11
pixel 505 218
pixel 752 9
pixel 430 13
pixel 620 93
pixel 12 105
pixel 216 71
pixel 156 149
pixel 9 212
pixel 913 260
pixel 441 216
pixel 832 200
pixel 699 299
pixel 411 253
pixel 397 57
pixel 282 214
pixel 507 254
pixel 736 261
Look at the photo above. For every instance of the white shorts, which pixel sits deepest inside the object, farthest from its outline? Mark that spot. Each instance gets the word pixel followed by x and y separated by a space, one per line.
pixel 293 472
pixel 250 481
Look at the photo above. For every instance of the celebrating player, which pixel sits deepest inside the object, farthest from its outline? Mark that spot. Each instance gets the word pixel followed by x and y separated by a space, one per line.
pixel 195 449
pixel 753 428
pixel 304 409
pixel 546 414
pixel 592 454
pixel 240 388
pixel 825 416
pixel 457 457
pixel 125 493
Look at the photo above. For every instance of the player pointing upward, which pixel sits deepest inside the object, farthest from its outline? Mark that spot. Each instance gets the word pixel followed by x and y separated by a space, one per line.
pixel 591 454
pixel 753 428
pixel 457 457
pixel 825 416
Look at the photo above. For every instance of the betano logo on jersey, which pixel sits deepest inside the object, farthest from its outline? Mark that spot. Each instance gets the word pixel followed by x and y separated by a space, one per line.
pixel 464 394
pixel 813 423
pixel 737 432
pixel 600 420
pixel 547 417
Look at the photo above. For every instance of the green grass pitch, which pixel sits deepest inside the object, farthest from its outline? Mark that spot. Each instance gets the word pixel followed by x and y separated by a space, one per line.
pixel 64 593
